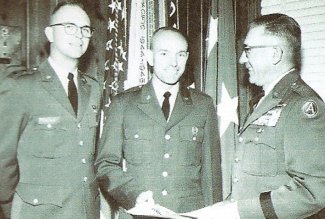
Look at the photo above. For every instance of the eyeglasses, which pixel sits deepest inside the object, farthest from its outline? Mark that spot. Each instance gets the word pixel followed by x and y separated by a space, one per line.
pixel 71 29
pixel 247 49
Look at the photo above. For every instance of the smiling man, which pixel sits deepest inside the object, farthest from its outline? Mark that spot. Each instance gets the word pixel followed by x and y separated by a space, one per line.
pixel 160 142
pixel 48 131
pixel 278 169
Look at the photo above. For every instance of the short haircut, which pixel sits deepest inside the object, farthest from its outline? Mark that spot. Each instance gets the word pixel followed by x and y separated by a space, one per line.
pixel 68 2
pixel 167 28
pixel 285 28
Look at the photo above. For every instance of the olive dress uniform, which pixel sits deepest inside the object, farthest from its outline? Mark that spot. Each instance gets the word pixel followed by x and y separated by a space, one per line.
pixel 178 160
pixel 278 170
pixel 46 151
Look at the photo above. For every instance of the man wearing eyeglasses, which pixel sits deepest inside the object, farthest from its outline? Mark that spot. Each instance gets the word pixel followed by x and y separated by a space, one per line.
pixel 49 127
pixel 278 167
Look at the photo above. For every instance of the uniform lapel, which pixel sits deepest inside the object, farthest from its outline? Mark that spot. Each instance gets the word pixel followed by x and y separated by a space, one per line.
pixel 274 98
pixel 53 86
pixel 267 104
pixel 148 103
pixel 83 95
pixel 183 106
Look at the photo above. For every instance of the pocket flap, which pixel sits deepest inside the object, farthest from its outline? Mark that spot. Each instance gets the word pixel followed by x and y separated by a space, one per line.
pixel 40 194
pixel 139 133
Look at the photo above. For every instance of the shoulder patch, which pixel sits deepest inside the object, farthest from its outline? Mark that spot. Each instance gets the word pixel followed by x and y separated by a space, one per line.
pixel 310 109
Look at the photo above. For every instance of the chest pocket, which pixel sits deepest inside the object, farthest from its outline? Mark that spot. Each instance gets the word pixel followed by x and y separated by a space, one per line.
pixel 138 145
pixel 260 151
pixel 191 133
pixel 46 137
pixel 190 147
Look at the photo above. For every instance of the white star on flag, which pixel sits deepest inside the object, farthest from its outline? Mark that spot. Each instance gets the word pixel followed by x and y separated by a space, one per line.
pixel 213 33
pixel 109 44
pixel 112 6
pixel 111 25
pixel 227 110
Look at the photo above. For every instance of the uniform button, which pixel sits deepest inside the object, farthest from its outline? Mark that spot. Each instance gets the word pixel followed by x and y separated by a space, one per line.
pixel 48 77
pixel 165 174
pixel 164 192
pixel 136 136
pixel 81 143
pixel 240 139
pixel 167 137
pixel 79 125
pixel 260 130
pixel 256 139
pixel 235 180
pixel 49 126
pixel 83 160
pixel 148 97
pixel 236 159
pixel 166 155
pixel 85 179
pixel 35 201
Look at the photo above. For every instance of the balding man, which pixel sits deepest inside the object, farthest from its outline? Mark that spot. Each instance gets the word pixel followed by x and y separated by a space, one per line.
pixel 160 142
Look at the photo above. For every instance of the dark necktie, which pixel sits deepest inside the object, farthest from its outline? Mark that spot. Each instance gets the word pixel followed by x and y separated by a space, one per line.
pixel 254 102
pixel 166 106
pixel 72 93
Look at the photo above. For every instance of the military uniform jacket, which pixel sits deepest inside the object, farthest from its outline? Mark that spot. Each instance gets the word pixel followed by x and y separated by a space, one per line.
pixel 179 161
pixel 279 167
pixel 46 151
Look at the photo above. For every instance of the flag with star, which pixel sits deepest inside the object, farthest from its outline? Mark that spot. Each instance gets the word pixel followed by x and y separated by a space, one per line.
pixel 221 78
pixel 116 44
pixel 141 27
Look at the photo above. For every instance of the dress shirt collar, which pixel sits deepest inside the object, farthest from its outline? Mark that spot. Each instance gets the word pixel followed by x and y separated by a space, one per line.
pixel 269 88
pixel 160 88
pixel 62 74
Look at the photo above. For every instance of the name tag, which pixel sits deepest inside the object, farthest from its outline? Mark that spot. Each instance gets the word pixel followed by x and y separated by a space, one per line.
pixel 271 117
pixel 48 120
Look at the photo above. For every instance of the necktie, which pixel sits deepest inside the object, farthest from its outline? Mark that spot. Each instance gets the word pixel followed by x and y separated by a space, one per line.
pixel 166 106
pixel 254 102
pixel 72 93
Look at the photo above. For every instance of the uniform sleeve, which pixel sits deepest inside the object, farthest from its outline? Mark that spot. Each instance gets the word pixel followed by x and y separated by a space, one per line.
pixel 112 179
pixel 211 172
pixel 304 147
pixel 11 121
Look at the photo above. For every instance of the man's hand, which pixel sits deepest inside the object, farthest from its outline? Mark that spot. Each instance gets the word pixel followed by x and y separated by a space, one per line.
pixel 145 198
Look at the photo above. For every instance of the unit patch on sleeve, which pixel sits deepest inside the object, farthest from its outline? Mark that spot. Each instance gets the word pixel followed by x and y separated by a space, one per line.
pixel 310 109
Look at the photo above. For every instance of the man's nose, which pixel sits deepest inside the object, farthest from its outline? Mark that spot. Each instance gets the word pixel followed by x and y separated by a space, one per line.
pixel 173 60
pixel 79 33
pixel 243 58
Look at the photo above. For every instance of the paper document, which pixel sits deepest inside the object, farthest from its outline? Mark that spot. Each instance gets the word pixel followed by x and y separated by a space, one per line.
pixel 155 211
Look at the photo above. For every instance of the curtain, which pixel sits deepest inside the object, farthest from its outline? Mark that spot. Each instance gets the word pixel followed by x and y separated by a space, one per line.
pixel 221 79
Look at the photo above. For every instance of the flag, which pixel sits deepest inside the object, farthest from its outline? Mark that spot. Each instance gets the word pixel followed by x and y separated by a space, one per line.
pixel 142 25
pixel 221 79
pixel 116 44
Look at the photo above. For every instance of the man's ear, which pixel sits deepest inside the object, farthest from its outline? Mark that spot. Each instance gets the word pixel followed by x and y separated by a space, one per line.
pixel 149 55
pixel 49 34
pixel 277 55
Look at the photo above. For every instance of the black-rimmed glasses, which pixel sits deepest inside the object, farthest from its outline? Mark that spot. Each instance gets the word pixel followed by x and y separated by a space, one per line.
pixel 247 49
pixel 71 29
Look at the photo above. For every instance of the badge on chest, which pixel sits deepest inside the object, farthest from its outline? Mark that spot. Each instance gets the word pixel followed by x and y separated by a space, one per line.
pixel 271 117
